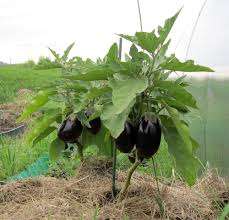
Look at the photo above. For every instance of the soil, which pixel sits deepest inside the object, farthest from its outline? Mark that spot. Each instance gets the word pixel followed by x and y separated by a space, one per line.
pixel 88 196
pixel 9 112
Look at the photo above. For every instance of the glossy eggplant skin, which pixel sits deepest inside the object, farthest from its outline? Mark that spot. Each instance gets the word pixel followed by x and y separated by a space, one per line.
pixel 148 138
pixel 70 130
pixel 95 126
pixel 95 123
pixel 127 139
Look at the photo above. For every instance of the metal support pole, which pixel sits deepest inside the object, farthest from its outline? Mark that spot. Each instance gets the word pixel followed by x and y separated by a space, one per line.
pixel 114 191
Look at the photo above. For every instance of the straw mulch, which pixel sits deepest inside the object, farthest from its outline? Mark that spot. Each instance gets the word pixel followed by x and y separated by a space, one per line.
pixel 88 196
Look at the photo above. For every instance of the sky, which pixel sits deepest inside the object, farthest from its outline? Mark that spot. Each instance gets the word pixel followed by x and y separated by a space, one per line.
pixel 29 27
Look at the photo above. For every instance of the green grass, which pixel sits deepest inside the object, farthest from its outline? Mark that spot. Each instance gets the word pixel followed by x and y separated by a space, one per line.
pixel 15 77
pixel 16 155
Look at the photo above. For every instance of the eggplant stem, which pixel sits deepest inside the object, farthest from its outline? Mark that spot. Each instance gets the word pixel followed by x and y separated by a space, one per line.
pixel 80 150
pixel 123 191
pixel 114 169
pixel 158 196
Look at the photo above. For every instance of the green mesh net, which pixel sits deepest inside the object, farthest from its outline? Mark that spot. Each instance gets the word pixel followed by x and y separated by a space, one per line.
pixel 39 167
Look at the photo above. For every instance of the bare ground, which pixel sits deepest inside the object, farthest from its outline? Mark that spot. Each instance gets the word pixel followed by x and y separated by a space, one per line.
pixel 9 112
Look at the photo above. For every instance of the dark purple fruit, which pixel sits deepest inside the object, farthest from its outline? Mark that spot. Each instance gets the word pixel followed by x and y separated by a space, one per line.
pixel 95 123
pixel 126 140
pixel 148 138
pixel 70 130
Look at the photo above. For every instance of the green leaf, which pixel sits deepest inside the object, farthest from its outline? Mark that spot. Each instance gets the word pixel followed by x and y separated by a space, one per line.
pixel 177 92
pixel 165 30
pixel 104 144
pixel 138 57
pixel 101 72
pixel 173 103
pixel 133 51
pixel 112 55
pixel 67 51
pixel 132 39
pixel 125 91
pixel 175 65
pixel 186 163
pixel 40 100
pixel 56 55
pixel 181 127
pixel 160 56
pixel 97 92
pixel 180 79
pixel 77 87
pixel 43 123
pixel 43 135
pixel 55 149
pixel 225 213
pixel 195 145
pixel 147 41
pixel 113 120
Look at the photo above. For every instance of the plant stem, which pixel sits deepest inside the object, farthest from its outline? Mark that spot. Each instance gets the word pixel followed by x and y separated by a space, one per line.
pixel 114 169
pixel 155 174
pixel 113 144
pixel 123 192
pixel 158 197
pixel 80 150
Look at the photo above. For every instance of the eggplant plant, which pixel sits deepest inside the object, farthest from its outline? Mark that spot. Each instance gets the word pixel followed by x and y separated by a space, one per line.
pixel 133 102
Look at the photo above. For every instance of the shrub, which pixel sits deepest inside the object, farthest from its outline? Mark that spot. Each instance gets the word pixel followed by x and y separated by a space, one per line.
pixel 29 64
pixel 46 63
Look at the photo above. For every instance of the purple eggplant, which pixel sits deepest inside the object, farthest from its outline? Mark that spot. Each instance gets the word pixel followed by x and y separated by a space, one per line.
pixel 127 139
pixel 70 130
pixel 148 138
pixel 94 123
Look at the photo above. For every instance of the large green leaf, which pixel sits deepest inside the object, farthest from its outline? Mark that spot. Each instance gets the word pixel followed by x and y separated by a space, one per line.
pixel 43 123
pixel 186 163
pixel 113 120
pixel 96 92
pixel 40 100
pixel 55 149
pixel 181 127
pixel 175 65
pixel 125 91
pixel 178 92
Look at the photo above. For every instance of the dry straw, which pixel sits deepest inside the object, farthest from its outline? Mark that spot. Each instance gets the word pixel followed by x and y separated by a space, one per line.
pixel 88 194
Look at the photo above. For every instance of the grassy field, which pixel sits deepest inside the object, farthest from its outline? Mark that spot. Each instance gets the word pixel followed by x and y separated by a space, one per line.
pixel 16 154
pixel 15 77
